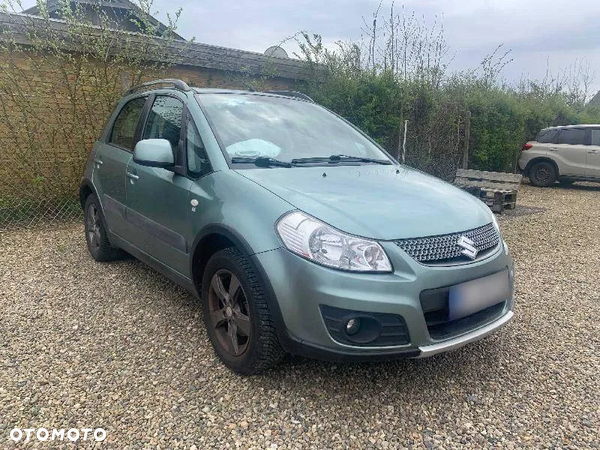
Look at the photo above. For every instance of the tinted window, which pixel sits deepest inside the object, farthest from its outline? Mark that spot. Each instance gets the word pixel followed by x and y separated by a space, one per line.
pixel 546 136
pixel 197 160
pixel 164 121
pixel 595 137
pixel 573 136
pixel 123 132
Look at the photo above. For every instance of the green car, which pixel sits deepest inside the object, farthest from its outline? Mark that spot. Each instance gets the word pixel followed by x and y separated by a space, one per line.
pixel 297 231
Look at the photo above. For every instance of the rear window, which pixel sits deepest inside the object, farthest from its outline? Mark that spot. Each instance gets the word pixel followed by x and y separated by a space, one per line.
pixel 123 133
pixel 572 136
pixel 546 136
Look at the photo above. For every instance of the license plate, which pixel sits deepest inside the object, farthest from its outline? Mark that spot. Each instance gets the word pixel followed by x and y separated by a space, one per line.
pixel 468 298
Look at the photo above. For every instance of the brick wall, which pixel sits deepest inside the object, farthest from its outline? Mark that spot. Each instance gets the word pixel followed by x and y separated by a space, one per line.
pixel 50 115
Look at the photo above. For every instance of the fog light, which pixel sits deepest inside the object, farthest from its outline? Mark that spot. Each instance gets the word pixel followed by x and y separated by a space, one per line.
pixel 352 326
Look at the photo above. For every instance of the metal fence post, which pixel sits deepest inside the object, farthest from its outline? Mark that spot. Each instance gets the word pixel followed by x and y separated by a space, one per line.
pixel 465 159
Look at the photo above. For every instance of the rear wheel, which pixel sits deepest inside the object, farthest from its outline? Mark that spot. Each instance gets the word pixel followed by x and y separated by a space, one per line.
pixel 236 314
pixel 95 232
pixel 542 174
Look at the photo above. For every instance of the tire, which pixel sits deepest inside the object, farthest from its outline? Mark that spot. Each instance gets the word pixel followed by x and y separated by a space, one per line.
pixel 542 174
pixel 239 323
pixel 95 232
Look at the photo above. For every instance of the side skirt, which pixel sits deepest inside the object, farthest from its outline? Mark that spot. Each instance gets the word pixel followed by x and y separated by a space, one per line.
pixel 172 275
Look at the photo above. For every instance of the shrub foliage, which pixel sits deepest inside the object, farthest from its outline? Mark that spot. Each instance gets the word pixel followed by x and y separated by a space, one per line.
pixel 399 72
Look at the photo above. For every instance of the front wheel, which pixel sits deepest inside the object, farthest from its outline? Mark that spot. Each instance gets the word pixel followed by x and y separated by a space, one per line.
pixel 542 174
pixel 236 314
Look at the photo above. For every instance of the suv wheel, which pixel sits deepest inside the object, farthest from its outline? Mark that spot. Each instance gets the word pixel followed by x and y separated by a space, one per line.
pixel 236 314
pixel 542 174
pixel 95 232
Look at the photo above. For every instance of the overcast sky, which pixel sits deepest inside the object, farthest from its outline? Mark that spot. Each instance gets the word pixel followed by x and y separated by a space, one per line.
pixel 539 32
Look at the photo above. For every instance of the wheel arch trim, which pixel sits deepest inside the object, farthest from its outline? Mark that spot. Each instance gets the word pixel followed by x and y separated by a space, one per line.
pixel 539 159
pixel 84 186
pixel 242 244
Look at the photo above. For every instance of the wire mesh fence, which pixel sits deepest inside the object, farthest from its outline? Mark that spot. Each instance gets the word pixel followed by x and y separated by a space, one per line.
pixel 30 199
pixel 26 213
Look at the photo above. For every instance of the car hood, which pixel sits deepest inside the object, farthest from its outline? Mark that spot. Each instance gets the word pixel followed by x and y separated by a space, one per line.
pixel 379 202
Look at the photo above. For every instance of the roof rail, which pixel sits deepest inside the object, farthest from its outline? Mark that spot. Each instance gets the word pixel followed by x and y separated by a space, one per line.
pixel 295 94
pixel 177 84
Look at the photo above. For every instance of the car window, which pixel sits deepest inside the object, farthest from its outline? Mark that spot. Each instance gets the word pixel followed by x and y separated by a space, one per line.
pixel 197 159
pixel 123 132
pixel 572 136
pixel 546 136
pixel 595 137
pixel 164 121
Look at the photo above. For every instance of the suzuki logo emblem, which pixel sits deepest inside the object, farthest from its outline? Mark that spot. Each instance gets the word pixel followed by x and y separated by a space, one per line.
pixel 468 247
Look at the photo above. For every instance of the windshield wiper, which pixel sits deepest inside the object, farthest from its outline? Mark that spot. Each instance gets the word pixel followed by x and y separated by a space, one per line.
pixel 336 159
pixel 261 161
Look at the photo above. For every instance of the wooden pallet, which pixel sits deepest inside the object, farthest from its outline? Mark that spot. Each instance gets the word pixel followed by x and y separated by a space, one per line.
pixel 498 190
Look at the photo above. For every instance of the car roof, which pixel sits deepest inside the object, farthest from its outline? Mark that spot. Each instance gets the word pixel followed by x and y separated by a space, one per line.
pixel 182 86
pixel 583 125
pixel 222 91
pixel 293 95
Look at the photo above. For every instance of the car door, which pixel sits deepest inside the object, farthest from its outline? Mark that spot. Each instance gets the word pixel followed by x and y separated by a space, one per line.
pixel 570 151
pixel 156 198
pixel 593 156
pixel 112 154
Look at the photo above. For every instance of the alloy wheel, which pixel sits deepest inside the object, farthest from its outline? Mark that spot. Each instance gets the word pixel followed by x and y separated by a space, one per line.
pixel 542 174
pixel 229 312
pixel 93 226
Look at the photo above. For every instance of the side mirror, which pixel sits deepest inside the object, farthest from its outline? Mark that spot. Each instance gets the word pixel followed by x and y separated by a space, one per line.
pixel 154 153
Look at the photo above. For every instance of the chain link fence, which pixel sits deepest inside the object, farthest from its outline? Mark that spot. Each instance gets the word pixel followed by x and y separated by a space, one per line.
pixel 28 199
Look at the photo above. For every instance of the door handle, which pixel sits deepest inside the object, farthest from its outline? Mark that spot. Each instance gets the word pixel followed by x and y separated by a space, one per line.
pixel 98 161
pixel 553 149
pixel 593 152
pixel 133 176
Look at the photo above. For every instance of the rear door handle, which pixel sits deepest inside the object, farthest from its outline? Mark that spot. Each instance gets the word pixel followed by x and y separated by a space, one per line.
pixel 593 152
pixel 133 176
pixel 553 149
pixel 98 162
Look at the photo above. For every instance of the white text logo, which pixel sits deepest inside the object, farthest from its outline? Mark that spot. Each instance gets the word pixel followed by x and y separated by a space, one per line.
pixel 42 434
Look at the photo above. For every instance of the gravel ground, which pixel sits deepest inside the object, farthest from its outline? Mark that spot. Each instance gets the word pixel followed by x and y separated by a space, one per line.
pixel 120 347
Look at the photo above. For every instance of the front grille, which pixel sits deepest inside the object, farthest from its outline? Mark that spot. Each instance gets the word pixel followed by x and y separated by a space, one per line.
pixel 444 249
pixel 441 329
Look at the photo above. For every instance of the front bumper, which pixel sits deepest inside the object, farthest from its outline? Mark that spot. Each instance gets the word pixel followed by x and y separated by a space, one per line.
pixel 302 287
pixel 458 342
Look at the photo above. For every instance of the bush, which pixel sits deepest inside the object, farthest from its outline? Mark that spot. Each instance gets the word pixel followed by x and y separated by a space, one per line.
pixel 378 87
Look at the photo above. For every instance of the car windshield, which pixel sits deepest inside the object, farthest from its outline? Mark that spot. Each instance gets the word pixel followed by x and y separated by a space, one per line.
pixel 259 126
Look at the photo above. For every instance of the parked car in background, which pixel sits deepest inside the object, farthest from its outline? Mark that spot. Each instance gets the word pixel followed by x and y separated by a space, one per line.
pixel 296 230
pixel 565 154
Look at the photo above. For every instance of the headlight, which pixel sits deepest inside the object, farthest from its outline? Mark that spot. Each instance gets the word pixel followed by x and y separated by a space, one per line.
pixel 497 226
pixel 314 240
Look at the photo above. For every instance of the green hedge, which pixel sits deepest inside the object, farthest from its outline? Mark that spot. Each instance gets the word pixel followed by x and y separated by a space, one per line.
pixel 503 118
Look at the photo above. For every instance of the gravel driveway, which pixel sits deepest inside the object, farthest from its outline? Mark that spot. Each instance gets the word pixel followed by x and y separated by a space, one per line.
pixel 117 346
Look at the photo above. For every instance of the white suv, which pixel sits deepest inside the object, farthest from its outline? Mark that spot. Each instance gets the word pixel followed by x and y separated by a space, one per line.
pixel 566 154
